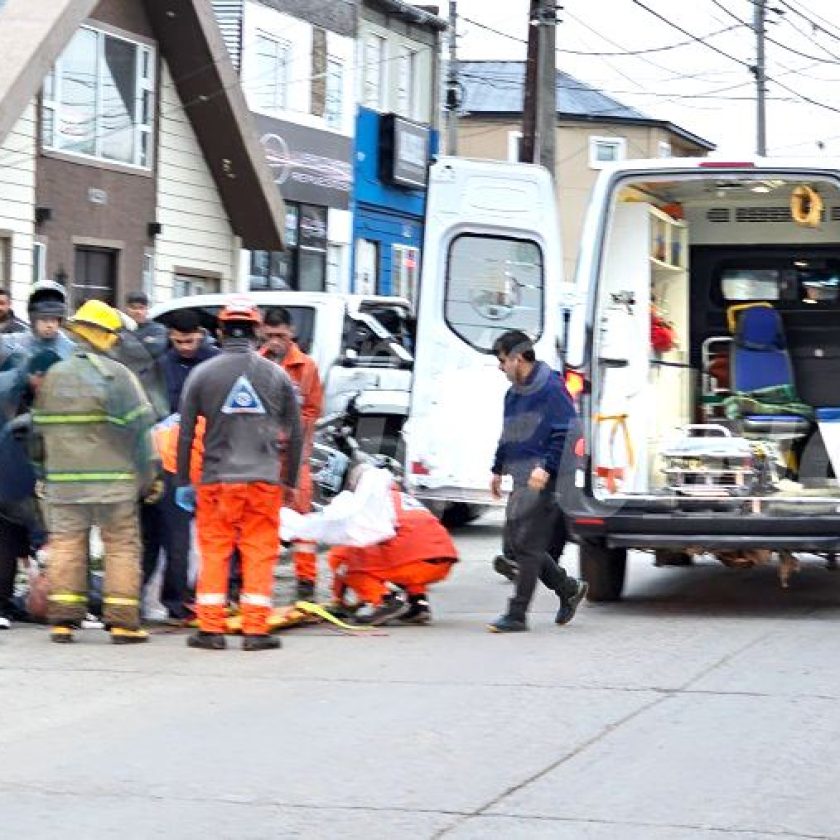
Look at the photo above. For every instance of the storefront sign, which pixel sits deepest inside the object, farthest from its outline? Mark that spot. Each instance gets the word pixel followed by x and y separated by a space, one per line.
pixel 309 166
pixel 404 152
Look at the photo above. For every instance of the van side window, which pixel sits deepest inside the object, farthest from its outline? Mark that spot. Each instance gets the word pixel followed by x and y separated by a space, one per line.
pixel 493 284
pixel 806 281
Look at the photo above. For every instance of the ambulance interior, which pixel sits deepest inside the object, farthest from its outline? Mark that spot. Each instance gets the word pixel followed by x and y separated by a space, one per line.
pixel 716 351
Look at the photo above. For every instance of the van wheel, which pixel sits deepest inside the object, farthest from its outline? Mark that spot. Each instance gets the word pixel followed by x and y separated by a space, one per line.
pixel 459 514
pixel 603 569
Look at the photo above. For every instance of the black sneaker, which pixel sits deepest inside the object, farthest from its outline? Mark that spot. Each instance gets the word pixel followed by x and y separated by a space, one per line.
pixel 507 624
pixel 506 567
pixel 418 610
pixel 207 641
pixel 261 641
pixel 568 606
pixel 394 605
pixel 305 590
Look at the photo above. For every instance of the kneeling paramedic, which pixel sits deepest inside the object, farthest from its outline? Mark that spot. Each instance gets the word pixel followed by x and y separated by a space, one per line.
pixel 388 547
pixel 95 423
pixel 247 404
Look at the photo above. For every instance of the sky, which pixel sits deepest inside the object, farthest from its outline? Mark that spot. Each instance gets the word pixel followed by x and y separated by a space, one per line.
pixel 706 88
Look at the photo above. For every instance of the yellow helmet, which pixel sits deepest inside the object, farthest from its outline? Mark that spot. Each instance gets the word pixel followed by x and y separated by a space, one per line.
pixel 97 323
pixel 97 313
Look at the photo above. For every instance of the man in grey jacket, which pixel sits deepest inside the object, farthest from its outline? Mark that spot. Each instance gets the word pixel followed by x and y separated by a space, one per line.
pixel 249 406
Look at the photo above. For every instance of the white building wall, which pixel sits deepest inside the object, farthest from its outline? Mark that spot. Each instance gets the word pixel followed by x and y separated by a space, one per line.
pixel 196 231
pixel 421 99
pixel 17 202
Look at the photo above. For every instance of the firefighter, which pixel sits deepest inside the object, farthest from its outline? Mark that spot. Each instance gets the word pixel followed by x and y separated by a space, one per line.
pixel 95 422
pixel 280 346
pixel 247 404
pixel 391 577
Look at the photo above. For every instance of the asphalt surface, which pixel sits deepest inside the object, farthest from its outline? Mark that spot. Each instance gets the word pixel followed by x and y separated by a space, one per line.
pixel 703 706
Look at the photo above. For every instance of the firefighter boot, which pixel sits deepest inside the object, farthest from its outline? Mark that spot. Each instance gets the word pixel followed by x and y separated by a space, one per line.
pixel 123 636
pixel 207 641
pixel 260 641
pixel 62 634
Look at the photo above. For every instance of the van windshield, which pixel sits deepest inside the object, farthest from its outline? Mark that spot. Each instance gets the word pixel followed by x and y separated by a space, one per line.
pixel 493 284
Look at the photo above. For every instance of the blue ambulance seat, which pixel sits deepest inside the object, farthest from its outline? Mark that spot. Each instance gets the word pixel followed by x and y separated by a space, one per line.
pixel 760 359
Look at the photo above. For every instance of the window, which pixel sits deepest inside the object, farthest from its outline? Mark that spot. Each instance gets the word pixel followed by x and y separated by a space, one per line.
pixel 493 285
pixel 514 145
pixel 148 277
pixel 367 264
pixel 802 282
pixel 405 266
pixel 5 261
pixel 333 110
pixel 374 86
pixel 406 75
pixel 98 100
pixel 270 81
pixel 664 149
pixel 606 149
pixel 190 284
pixel 312 251
pixel 39 261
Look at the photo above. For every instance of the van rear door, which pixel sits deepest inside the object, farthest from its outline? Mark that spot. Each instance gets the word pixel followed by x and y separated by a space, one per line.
pixel 491 263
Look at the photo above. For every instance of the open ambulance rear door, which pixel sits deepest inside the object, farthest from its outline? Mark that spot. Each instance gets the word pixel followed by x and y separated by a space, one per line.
pixel 491 263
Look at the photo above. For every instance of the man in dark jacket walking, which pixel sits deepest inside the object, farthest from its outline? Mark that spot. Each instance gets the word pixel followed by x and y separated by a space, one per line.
pixel 538 413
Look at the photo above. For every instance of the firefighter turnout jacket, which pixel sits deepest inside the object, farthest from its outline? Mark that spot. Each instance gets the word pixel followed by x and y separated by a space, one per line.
pixel 95 421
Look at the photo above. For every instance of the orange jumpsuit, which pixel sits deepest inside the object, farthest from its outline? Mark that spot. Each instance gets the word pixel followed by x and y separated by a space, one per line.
pixel 303 372
pixel 421 553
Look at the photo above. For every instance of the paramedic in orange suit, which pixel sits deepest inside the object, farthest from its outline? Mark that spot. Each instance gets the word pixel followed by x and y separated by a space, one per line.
pixel 278 335
pixel 247 404
pixel 421 553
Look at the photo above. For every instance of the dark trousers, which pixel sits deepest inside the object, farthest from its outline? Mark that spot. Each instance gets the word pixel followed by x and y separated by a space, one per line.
pixel 14 543
pixel 166 526
pixel 531 520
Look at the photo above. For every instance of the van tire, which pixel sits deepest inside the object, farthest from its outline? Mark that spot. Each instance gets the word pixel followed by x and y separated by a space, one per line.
pixel 458 514
pixel 603 569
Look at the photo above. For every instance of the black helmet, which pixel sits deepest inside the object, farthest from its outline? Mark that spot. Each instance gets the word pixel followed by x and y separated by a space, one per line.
pixel 48 300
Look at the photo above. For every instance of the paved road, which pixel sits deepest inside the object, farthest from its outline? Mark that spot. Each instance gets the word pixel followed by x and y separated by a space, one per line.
pixel 705 706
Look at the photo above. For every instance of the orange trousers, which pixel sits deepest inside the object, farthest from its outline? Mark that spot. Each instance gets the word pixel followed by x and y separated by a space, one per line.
pixel 244 516
pixel 370 584
pixel 304 553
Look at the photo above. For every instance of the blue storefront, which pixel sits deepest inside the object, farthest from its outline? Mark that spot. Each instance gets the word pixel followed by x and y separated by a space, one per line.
pixel 389 194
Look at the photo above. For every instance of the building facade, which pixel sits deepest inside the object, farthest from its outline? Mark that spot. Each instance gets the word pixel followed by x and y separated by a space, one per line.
pixel 592 129
pixel 136 165
pixel 296 62
pixel 397 82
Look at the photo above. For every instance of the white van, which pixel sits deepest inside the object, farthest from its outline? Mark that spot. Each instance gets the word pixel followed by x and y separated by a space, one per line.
pixel 355 353
pixel 491 263
pixel 706 354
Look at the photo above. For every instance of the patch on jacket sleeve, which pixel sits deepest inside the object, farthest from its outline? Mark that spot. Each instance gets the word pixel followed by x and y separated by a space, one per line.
pixel 243 399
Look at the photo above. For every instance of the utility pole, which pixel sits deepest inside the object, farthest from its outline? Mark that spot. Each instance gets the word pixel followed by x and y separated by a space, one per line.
pixel 453 95
pixel 539 115
pixel 759 12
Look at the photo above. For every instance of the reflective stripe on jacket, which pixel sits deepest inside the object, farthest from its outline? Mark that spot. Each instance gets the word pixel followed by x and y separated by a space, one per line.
pixel 95 422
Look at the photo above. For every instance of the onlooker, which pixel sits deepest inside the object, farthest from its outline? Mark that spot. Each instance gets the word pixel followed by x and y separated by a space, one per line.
pixel 154 336
pixel 280 346
pixel 26 357
pixel 538 413
pixel 9 322
pixel 189 349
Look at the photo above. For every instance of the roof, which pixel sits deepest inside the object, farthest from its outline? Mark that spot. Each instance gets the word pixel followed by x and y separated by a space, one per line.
pixel 495 88
pixel 33 33
pixel 410 13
